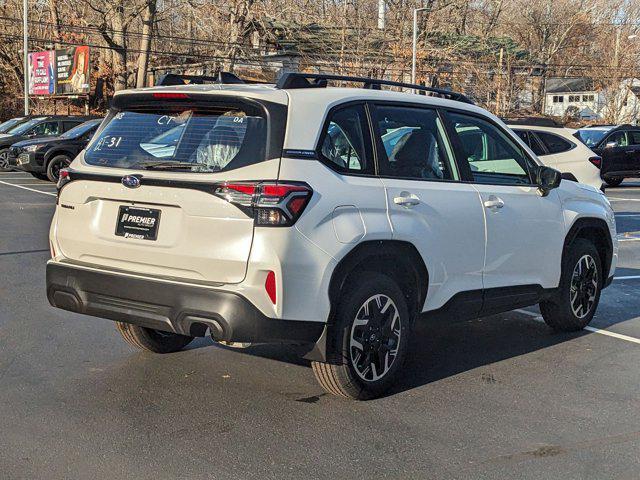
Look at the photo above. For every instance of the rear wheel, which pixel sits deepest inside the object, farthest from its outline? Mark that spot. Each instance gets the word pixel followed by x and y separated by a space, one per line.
pixel 613 182
pixel 152 340
pixel 574 304
pixel 4 160
pixel 56 164
pixel 366 353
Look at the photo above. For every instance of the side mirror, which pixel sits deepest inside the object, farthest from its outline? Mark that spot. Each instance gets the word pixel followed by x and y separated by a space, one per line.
pixel 547 179
pixel 611 145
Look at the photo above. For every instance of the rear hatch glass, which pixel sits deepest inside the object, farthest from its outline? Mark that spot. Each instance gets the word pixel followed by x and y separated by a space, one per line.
pixel 185 139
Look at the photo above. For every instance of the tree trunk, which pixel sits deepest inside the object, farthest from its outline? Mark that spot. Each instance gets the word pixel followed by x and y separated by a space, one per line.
pixel 145 43
pixel 120 49
pixel 55 20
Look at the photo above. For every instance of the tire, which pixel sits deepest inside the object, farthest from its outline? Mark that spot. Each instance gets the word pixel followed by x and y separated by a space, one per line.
pixel 4 160
pixel 564 311
pixel 613 182
pixel 39 176
pixel 152 340
pixel 55 164
pixel 350 371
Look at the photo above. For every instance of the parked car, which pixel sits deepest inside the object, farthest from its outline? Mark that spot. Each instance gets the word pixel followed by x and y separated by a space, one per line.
pixel 281 214
pixel 11 123
pixel 36 127
pixel 557 147
pixel 619 147
pixel 45 157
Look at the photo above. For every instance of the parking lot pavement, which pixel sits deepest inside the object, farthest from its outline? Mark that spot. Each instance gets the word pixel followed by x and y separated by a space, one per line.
pixel 499 397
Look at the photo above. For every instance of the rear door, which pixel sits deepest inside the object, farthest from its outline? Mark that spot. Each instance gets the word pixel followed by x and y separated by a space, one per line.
pixel 614 153
pixel 633 151
pixel 428 205
pixel 151 198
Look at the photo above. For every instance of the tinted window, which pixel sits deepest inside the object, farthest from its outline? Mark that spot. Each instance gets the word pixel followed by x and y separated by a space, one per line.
pixel 414 144
pixel 531 141
pixel 554 143
pixel 87 129
pixel 66 126
pixel 195 141
pixel 344 143
pixel 634 137
pixel 491 155
pixel 45 129
pixel 618 138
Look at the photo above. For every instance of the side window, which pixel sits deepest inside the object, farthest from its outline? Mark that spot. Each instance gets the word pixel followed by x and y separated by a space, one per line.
pixel 69 125
pixel 491 155
pixel 414 144
pixel 618 138
pixel 634 137
pixel 532 141
pixel 345 141
pixel 46 128
pixel 554 143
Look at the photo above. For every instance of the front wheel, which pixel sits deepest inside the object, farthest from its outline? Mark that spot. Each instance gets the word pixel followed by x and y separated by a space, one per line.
pixel 366 351
pixel 56 164
pixel 613 182
pixel 152 340
pixel 575 302
pixel 4 160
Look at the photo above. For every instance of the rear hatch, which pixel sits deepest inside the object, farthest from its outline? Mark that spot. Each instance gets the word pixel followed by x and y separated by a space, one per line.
pixel 150 193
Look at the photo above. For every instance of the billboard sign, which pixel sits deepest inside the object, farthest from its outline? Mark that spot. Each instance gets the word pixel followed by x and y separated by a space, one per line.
pixel 41 73
pixel 72 69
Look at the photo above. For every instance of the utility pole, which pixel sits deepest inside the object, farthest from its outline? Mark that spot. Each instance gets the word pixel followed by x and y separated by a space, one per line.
pixel 414 52
pixel 381 14
pixel 25 48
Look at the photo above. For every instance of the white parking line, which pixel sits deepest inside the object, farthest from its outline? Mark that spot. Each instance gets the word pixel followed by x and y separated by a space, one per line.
pixel 618 199
pixel 627 214
pixel 629 277
pixel 27 188
pixel 607 333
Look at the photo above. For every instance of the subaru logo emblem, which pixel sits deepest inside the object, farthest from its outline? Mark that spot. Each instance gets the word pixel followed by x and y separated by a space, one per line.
pixel 130 181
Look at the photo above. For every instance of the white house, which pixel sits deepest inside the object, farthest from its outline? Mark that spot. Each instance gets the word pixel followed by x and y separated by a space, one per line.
pixel 579 97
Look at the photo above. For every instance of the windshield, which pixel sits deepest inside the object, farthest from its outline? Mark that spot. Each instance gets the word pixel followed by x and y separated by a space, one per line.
pixel 24 127
pixel 81 129
pixel 591 137
pixel 188 140
pixel 9 124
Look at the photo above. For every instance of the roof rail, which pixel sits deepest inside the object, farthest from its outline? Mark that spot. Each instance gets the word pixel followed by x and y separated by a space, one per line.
pixel 532 121
pixel 294 80
pixel 223 78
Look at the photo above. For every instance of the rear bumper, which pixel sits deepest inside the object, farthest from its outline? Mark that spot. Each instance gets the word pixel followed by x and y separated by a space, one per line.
pixel 173 307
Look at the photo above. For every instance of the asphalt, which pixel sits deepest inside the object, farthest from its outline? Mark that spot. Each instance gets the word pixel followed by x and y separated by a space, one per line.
pixel 499 397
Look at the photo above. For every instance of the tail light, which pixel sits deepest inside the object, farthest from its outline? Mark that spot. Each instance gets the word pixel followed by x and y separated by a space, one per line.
pixel 272 204
pixel 597 161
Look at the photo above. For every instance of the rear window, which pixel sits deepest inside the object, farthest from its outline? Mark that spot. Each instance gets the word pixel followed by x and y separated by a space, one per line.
pixel 184 140
pixel 554 143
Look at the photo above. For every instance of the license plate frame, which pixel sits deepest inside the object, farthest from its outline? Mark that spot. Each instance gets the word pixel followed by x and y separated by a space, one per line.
pixel 139 223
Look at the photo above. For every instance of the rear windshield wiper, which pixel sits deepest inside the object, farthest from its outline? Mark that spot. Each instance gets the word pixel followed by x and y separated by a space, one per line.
pixel 167 165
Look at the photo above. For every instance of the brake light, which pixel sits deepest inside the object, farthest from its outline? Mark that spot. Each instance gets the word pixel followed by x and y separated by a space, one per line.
pixel 270 286
pixel 170 95
pixel 272 204
pixel 597 161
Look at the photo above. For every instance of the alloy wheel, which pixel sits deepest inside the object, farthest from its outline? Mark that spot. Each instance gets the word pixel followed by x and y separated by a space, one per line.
pixel 584 286
pixel 375 338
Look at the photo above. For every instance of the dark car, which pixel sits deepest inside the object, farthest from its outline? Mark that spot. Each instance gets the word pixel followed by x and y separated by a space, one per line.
pixel 36 127
pixel 12 123
pixel 44 157
pixel 619 147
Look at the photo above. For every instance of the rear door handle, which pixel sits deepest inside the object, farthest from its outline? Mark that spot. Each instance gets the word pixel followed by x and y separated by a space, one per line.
pixel 406 199
pixel 493 202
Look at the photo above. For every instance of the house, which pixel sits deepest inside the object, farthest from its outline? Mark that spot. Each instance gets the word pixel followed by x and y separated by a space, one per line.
pixel 582 98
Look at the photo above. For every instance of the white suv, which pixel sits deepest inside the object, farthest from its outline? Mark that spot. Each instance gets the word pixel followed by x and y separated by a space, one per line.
pixel 557 147
pixel 333 218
